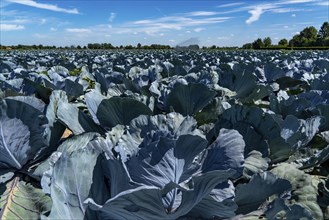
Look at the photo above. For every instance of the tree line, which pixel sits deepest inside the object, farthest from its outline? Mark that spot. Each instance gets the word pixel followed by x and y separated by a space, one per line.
pixel 91 46
pixel 308 37
pixel 129 47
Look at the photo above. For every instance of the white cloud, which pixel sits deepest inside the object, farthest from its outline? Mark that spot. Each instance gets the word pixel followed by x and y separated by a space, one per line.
pixel 167 23
pixel 78 30
pixel 325 3
pixel 285 10
pixel 230 5
pixel 222 38
pixel 187 32
pixel 173 41
pixel 287 2
pixel 277 7
pixel 53 29
pixel 16 21
pixel 255 14
pixel 201 13
pixel 112 16
pixel 45 6
pixel 293 15
pixel 286 26
pixel 198 29
pixel 11 27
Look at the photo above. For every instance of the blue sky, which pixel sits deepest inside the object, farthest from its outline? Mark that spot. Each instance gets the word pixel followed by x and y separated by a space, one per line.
pixel 223 23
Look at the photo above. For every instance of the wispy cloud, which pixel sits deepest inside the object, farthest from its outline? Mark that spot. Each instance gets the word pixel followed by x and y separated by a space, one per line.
pixel 11 27
pixel 78 30
pixel 287 2
pixel 230 5
pixel 201 13
pixel 199 29
pixel 45 6
pixel 43 21
pixel 325 3
pixel 276 7
pixel 223 38
pixel 167 23
pixel 9 13
pixel 16 21
pixel 112 16
pixel 286 10
pixel 195 21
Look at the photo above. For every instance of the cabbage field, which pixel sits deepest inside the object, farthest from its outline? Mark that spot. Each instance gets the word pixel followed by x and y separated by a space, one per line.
pixel 166 134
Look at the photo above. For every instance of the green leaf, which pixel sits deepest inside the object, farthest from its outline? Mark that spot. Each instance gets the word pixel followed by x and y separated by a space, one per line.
pixel 254 163
pixel 21 200
pixel 323 197
pixel 304 190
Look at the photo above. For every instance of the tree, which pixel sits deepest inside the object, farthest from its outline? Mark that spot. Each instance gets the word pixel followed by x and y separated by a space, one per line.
pixel 267 41
pixel 324 31
pixel 309 33
pixel 323 35
pixel 128 47
pixel 139 45
pixel 308 36
pixel 257 44
pixel 247 46
pixel 300 40
pixel 283 42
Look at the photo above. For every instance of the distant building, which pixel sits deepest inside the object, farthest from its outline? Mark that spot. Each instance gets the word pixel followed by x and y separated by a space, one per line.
pixel 190 44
